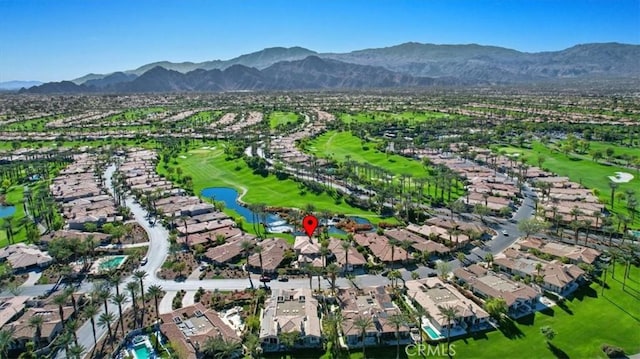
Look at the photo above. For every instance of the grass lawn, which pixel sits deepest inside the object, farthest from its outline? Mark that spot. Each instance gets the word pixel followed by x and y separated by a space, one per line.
pixel 209 168
pixel 14 197
pixel 582 326
pixel 410 116
pixel 281 118
pixel 339 145
pixel 583 170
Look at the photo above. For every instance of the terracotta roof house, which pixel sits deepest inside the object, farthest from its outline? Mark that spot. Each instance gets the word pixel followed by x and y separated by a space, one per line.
pixel 289 310
pixel 11 307
pixel 521 299
pixel 433 293
pixel 23 257
pixel 189 328
pixel 351 256
pixel 51 325
pixel 557 277
pixel 372 302
pixel 576 254
pixel 273 251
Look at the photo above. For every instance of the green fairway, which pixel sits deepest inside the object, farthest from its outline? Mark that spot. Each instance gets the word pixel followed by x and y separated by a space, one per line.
pixel 583 170
pixel 339 145
pixel 343 145
pixel 582 326
pixel 281 118
pixel 14 197
pixel 209 168
pixel 409 116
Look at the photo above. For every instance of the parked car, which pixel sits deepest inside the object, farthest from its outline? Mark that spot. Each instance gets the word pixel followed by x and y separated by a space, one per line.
pixel 265 279
pixel 504 232
pixel 144 261
pixel 283 279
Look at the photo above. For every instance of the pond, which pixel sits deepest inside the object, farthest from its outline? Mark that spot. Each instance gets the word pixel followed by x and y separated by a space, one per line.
pixel 275 223
pixel 6 211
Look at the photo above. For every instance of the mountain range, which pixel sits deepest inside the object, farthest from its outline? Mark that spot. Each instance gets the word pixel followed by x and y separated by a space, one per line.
pixel 406 65
pixel 17 85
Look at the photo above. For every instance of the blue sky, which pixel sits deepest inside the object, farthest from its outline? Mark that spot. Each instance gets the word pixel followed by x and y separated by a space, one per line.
pixel 51 40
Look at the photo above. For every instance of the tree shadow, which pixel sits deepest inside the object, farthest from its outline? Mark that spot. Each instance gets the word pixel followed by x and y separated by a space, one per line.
pixel 622 309
pixel 547 311
pixel 557 352
pixel 509 329
pixel 526 320
pixel 563 305
pixel 585 291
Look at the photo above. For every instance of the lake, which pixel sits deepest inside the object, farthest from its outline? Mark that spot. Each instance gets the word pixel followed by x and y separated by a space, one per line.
pixel 275 223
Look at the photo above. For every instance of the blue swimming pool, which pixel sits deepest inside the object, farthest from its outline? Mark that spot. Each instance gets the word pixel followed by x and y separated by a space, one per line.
pixel 142 352
pixel 431 333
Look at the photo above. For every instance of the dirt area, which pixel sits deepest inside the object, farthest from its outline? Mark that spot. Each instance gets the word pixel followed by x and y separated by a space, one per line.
pixel 225 300
pixel 220 273
pixel 13 280
pixel 134 234
pixel 178 265
pixel 52 274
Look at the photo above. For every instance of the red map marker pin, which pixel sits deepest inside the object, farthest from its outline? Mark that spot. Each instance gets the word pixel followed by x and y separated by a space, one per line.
pixel 310 223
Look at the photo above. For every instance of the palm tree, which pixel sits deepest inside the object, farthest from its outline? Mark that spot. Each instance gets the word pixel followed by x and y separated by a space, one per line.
pixel 36 322
pixel 115 280
pixel 538 267
pixel 247 249
pixel 6 339
pixel 156 291
pixel 60 300
pixel 397 320
pixel 363 323
pixel 64 340
pixel 346 245
pixel 120 299
pixel 76 351
pixel 219 348
pixel 450 314
pixel 420 312
pixel 140 275
pixel 133 288
pixel 90 311
pixel 613 186
pixel 105 320
pixel 103 294
pixel 332 272
pixel 72 327
pixel 258 250
pixel 69 291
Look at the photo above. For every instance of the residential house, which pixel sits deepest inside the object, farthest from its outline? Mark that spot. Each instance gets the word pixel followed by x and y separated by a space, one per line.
pixel 23 257
pixel 432 294
pixel 521 299
pixel 287 311
pixel 189 328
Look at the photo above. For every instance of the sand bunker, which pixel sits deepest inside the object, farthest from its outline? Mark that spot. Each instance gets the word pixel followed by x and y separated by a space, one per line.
pixel 621 177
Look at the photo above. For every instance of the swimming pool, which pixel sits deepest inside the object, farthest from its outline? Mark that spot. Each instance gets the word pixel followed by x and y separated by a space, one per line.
pixel 141 351
pixel 432 333
pixel 111 262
